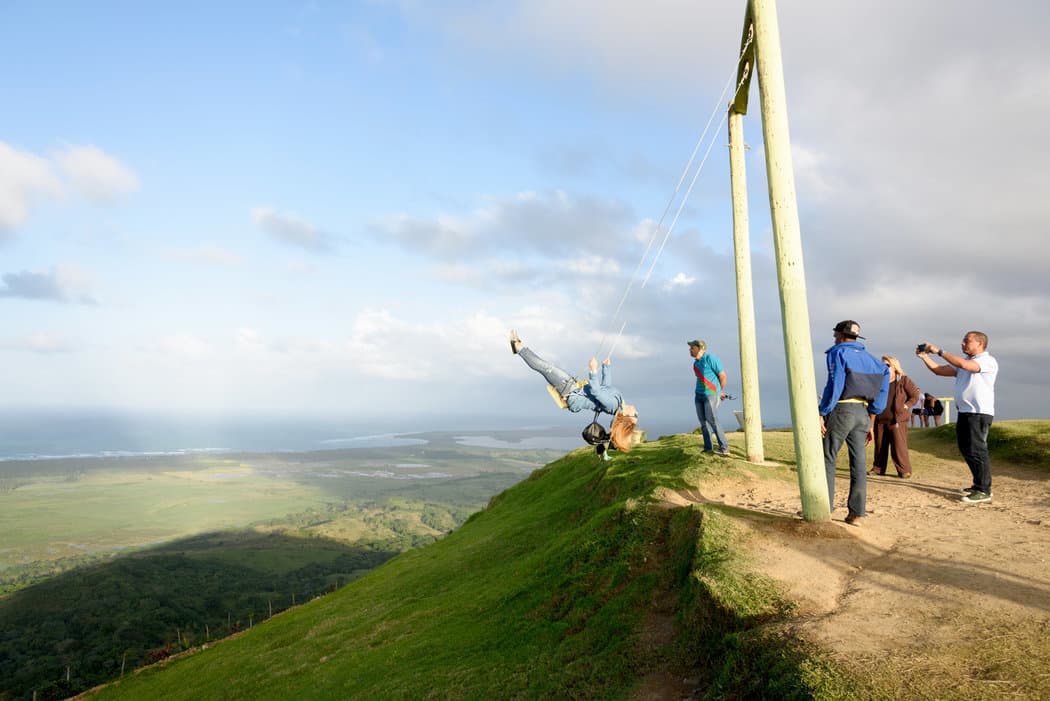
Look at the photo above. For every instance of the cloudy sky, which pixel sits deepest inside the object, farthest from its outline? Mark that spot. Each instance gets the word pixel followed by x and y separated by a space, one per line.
pixel 342 208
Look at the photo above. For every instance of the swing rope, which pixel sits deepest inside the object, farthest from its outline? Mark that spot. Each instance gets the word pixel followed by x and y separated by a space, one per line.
pixel 685 171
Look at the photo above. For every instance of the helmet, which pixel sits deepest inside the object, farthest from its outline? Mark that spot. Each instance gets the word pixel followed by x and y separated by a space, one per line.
pixel 595 433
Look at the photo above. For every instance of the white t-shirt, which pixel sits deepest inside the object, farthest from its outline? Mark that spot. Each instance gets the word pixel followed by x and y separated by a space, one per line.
pixel 975 391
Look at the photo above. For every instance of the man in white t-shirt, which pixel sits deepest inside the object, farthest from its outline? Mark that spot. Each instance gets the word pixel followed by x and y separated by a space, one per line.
pixel 974 374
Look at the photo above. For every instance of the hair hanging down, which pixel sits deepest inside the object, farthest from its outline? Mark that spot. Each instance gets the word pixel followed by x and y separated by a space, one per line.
pixel 894 363
pixel 621 431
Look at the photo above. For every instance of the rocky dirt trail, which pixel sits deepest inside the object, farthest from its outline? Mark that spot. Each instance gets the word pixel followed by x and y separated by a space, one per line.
pixel 952 600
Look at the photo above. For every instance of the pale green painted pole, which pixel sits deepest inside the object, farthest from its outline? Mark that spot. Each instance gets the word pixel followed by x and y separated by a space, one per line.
pixel 745 298
pixel 787 239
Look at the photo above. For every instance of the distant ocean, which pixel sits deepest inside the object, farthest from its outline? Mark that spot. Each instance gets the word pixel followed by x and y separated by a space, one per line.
pixel 46 434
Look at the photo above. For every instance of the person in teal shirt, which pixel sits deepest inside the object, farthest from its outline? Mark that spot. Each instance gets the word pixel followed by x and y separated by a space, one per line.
pixel 710 391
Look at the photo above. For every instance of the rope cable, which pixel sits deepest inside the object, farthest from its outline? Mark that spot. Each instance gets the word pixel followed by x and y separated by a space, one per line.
pixel 678 187
pixel 725 115
pixel 667 208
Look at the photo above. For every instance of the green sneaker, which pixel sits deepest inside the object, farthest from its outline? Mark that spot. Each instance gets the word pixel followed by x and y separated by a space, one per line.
pixel 977 497
pixel 970 489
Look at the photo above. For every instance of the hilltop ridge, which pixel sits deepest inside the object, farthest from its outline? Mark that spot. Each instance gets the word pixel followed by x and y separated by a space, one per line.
pixel 667 574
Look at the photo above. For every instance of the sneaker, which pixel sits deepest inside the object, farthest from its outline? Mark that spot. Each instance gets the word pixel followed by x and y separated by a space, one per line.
pixel 976 497
pixel 515 342
pixel 970 489
pixel 723 453
pixel 855 520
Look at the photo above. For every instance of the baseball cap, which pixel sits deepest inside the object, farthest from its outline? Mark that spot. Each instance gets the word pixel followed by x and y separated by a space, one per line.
pixel 848 328
pixel 699 344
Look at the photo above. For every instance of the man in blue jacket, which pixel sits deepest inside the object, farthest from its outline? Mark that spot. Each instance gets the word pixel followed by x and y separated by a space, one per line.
pixel 855 393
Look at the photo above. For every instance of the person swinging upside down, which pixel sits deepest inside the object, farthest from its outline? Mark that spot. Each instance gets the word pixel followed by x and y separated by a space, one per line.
pixel 597 395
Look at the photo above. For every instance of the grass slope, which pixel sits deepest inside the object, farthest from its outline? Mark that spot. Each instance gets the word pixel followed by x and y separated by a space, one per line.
pixel 563 587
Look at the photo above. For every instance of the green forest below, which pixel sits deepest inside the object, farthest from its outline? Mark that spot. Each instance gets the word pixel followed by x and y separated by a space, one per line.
pixel 142 608
pixel 111 564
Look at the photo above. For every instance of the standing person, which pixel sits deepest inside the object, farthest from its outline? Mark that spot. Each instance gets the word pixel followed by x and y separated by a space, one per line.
pixel 891 431
pixel 598 394
pixel 710 391
pixel 932 409
pixel 916 411
pixel 854 395
pixel 974 372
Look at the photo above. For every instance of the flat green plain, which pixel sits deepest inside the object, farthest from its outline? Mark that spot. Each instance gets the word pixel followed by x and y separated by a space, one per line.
pixel 57 514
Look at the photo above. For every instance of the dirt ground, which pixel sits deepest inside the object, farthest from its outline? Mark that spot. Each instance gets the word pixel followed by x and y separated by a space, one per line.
pixel 930 597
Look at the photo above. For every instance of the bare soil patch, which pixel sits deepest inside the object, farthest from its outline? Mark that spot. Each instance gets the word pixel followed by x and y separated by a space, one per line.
pixel 931 597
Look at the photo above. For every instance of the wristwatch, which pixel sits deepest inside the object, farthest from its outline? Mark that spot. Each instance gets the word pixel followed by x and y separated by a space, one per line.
pixel 940 352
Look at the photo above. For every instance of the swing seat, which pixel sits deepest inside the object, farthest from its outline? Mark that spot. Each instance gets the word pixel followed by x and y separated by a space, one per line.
pixel 556 396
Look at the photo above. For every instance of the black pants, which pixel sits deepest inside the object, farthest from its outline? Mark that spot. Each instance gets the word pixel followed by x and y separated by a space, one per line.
pixel 971 433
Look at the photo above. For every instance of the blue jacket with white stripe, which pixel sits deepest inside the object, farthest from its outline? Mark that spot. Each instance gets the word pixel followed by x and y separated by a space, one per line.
pixel 854 373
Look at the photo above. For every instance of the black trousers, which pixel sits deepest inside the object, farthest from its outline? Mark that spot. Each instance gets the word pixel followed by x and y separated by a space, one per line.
pixel 971 433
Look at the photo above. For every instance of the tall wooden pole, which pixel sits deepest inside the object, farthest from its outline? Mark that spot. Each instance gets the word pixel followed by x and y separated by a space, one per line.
pixel 745 298
pixel 787 240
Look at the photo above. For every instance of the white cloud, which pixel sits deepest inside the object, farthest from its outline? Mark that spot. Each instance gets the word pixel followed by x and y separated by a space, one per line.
pixel 592 265
pixel 95 174
pixel 548 224
pixel 680 280
pixel 185 345
pixel 63 283
pixel 248 338
pixel 24 178
pixel 42 343
pixel 291 229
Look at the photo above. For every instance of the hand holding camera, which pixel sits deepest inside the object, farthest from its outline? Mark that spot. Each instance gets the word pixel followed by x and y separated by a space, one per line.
pixel 924 348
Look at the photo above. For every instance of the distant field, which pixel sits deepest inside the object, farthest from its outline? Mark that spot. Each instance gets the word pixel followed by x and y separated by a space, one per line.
pixel 57 514
pixel 112 509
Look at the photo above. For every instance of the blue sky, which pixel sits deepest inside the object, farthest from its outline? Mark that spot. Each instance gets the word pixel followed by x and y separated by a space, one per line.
pixel 341 208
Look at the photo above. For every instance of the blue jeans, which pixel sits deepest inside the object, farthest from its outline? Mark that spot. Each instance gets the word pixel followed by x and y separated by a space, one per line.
pixel 971 433
pixel 707 415
pixel 555 376
pixel 848 423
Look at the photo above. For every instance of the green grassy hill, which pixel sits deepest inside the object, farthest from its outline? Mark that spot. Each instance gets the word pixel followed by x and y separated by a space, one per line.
pixel 576 583
pixel 579 583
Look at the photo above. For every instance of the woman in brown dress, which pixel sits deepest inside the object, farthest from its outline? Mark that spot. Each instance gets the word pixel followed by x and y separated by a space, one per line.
pixel 891 426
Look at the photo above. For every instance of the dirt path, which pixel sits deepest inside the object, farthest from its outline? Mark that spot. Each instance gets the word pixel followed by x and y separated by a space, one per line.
pixel 934 597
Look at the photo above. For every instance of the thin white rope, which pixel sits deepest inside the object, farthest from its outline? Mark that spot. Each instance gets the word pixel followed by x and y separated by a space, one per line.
pixel 678 187
pixel 656 230
pixel 725 115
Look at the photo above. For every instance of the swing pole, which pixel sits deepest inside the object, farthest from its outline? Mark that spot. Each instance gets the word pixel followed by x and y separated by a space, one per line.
pixel 754 448
pixel 787 240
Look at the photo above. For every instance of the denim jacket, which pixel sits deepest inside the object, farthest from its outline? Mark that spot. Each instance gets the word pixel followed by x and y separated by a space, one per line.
pixel 597 395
